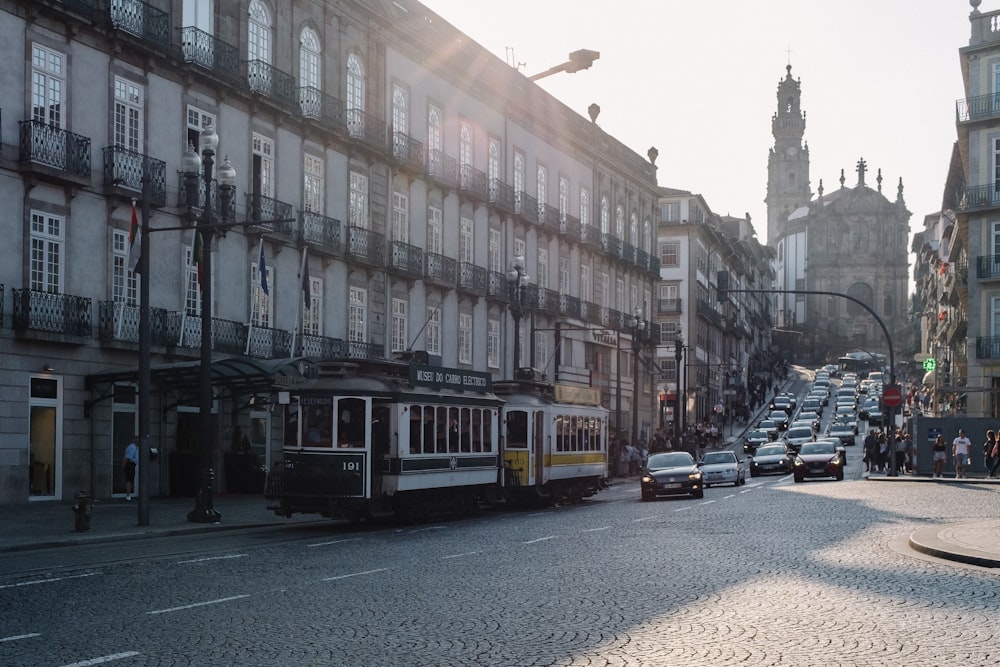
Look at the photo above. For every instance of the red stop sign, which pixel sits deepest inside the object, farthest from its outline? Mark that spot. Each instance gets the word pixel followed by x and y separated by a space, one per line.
pixel 892 396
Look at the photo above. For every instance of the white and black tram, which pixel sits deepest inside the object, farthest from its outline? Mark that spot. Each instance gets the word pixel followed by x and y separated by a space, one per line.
pixel 373 437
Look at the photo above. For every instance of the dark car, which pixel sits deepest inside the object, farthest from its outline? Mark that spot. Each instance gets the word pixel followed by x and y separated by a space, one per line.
pixel 781 403
pixel 843 431
pixel 771 459
pixel 819 459
pixel 768 426
pixel 754 438
pixel 780 418
pixel 671 474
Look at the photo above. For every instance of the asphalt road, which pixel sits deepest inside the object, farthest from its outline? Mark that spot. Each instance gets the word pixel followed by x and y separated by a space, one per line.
pixel 771 573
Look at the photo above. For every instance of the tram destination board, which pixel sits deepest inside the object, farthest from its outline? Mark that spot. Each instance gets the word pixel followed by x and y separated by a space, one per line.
pixel 455 379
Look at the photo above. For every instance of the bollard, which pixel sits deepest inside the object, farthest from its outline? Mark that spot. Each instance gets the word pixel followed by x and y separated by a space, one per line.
pixel 82 511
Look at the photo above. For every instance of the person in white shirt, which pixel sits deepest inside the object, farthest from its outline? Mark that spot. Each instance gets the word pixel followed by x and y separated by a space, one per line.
pixel 960 448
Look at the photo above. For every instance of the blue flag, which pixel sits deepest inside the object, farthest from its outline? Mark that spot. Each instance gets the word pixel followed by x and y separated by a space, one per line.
pixel 262 269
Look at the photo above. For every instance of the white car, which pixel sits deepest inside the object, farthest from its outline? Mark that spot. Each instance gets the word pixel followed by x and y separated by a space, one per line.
pixel 722 468
pixel 797 435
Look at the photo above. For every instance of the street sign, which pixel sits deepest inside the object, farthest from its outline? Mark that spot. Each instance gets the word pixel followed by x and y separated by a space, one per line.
pixel 930 364
pixel 892 396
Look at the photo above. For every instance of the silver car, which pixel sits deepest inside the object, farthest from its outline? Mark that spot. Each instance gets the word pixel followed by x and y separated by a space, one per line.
pixel 722 468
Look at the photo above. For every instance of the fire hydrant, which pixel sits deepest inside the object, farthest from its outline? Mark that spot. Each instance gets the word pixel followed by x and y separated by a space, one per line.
pixel 82 509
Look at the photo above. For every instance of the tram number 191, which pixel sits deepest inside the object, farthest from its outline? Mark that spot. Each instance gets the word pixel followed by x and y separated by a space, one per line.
pixel 352 466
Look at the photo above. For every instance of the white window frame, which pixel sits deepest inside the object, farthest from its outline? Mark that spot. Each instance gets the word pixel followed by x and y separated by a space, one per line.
pixel 542 279
pixel 358 214
pixel 495 250
pixel 493 343
pixel 263 149
pixel 435 229
pixel 261 313
pixel 48 83
pixel 45 267
pixel 127 130
pixel 400 216
pixel 258 32
pixel 312 317
pixel 357 321
pixel 355 83
pixel 310 60
pixel 313 191
pixel 493 166
pixel 432 333
pixel 564 274
pixel 464 338
pixel 124 283
pixel 466 244
pixel 584 206
pixel 400 324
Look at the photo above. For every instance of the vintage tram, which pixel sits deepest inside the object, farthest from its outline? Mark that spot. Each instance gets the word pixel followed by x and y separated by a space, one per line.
pixel 370 438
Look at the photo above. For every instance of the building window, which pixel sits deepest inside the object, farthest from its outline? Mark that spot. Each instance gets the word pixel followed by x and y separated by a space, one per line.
pixel 400 309
pixel 312 317
pixel 260 303
pixel 563 199
pixel 670 212
pixel 603 295
pixel 542 182
pixel 520 249
pixel 312 186
pixel 493 343
pixel 400 109
pixel 356 323
pixel 465 241
pixel 465 153
pixel 435 137
pixel 47 79
pixel 620 223
pixel 620 294
pixel 584 206
pixel 263 165
pixel 45 273
pixel 493 167
pixel 543 340
pixel 309 60
pixel 400 217
pixel 518 179
pixel 198 13
pixel 124 283
pixel 564 274
pixel 647 235
pixel 605 215
pixel 464 338
pixel 128 115
pixel 633 230
pixel 433 330
pixel 669 254
pixel 435 235
pixel 494 250
pixel 585 282
pixel 543 268
pixel 355 83
pixel 197 120
pixel 359 200
pixel 259 33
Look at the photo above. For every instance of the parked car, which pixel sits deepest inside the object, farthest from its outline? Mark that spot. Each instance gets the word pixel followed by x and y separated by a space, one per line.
pixel 771 459
pixel 722 468
pixel 671 474
pixel 818 459
pixel 754 438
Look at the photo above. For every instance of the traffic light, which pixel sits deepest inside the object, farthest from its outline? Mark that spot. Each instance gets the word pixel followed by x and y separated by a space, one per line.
pixel 722 286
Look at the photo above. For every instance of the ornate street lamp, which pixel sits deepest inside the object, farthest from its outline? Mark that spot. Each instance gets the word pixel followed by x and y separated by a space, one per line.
pixel 638 326
pixel 208 142
pixel 517 281
pixel 678 355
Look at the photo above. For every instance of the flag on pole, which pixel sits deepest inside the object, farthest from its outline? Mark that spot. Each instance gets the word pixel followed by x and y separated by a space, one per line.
pixel 199 255
pixel 305 277
pixel 135 241
pixel 262 269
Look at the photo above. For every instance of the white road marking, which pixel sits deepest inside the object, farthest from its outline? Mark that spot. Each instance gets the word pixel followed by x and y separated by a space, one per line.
pixel 594 530
pixel 540 539
pixel 104 658
pixel 683 509
pixel 423 530
pixel 731 495
pixel 467 553
pixel 644 518
pixel 208 558
pixel 326 544
pixel 357 574
pixel 707 502
pixel 14 638
pixel 196 604
pixel 35 582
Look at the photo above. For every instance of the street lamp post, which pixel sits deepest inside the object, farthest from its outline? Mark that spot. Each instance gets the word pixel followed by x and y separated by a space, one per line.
pixel 638 328
pixel 517 280
pixel 204 510
pixel 678 355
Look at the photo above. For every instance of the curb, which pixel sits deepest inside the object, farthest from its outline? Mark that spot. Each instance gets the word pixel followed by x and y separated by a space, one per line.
pixel 929 541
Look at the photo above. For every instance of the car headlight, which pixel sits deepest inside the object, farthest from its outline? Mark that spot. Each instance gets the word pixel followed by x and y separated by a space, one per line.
pixel 695 476
pixel 646 479
pixel 798 463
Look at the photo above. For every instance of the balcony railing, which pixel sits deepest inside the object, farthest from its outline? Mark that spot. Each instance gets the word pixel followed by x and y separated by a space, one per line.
pixel 54 147
pixel 590 236
pixel 118 321
pixel 407 150
pixel 988 266
pixel 502 196
pixel 472 278
pixel 359 350
pixel 52 313
pixel 526 206
pixel 546 300
pixel 271 215
pixel 612 245
pixel 210 52
pixel 269 81
pixel 268 343
pixel 200 203
pixel 325 109
pixel 497 287
pixel 704 309
pixel 629 252
pixel 407 259
pixel 983 107
pixel 988 347
pixel 440 269
pixel 366 246
pixel 366 128
pixel 142 20
pixel 473 183
pixel 321 231
pixel 322 347
pixel 570 306
pixel 228 336
pixel 979 197
pixel 570 228
pixel 124 169
pixel 442 168
pixel 549 218
pixel 668 306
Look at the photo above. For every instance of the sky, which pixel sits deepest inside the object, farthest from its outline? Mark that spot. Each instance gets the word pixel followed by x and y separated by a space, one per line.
pixel 698 80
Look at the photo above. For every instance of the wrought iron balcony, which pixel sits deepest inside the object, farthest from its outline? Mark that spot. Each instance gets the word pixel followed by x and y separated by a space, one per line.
pixel 142 20
pixel 629 252
pixel 497 287
pixel 123 171
pixel 979 197
pixel 590 236
pixel 501 196
pixel 325 109
pixel 570 228
pixel 118 321
pixel 52 313
pixel 570 306
pixel 526 206
pixel 366 128
pixel 322 347
pixel 549 218
pixel 268 343
pixel 642 259
pixel 407 259
pixel 320 231
pixel 544 299
pixel 440 269
pixel 472 278
pixel 269 81
pixel 612 245
pixel 668 306
pixel 366 246
pixel 704 309
pixel 359 350
pixel 271 215
pixel 473 183
pixel 408 151
pixel 591 312
pixel 988 267
pixel 208 51
pixel 228 336
pixel 988 347
pixel 81 7
pixel 200 203
pixel 443 169
pixel 54 147
pixel 983 107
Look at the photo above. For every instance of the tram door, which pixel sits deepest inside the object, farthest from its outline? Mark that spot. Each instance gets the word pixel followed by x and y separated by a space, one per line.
pixel 381 425
pixel 538 445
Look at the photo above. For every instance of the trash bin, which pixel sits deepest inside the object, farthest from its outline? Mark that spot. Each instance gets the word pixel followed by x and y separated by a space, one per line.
pixel 82 510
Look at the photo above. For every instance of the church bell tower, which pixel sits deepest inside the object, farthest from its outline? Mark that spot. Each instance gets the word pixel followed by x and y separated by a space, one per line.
pixel 788 160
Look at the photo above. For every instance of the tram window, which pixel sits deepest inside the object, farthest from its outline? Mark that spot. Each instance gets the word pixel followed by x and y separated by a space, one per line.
pixel 441 426
pixel 560 434
pixel 453 430
pixel 477 430
pixel 517 429
pixel 416 427
pixel 316 424
pixel 351 420
pixel 488 431
pixel 429 430
pixel 465 424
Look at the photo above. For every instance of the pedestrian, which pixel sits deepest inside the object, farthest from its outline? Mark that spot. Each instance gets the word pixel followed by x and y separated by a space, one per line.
pixel 634 460
pixel 940 451
pixel 960 448
pixel 871 451
pixel 996 459
pixel 910 454
pixel 991 442
pixel 129 463
pixel 883 451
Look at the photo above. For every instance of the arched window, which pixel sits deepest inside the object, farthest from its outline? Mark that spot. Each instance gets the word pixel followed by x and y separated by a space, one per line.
pixel 259 33
pixel 309 59
pixel 605 214
pixel 355 83
pixel 633 231
pixel 646 235
pixel 620 223
pixel 584 207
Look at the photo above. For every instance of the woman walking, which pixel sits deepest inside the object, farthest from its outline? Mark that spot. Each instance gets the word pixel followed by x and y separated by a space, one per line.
pixel 940 450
